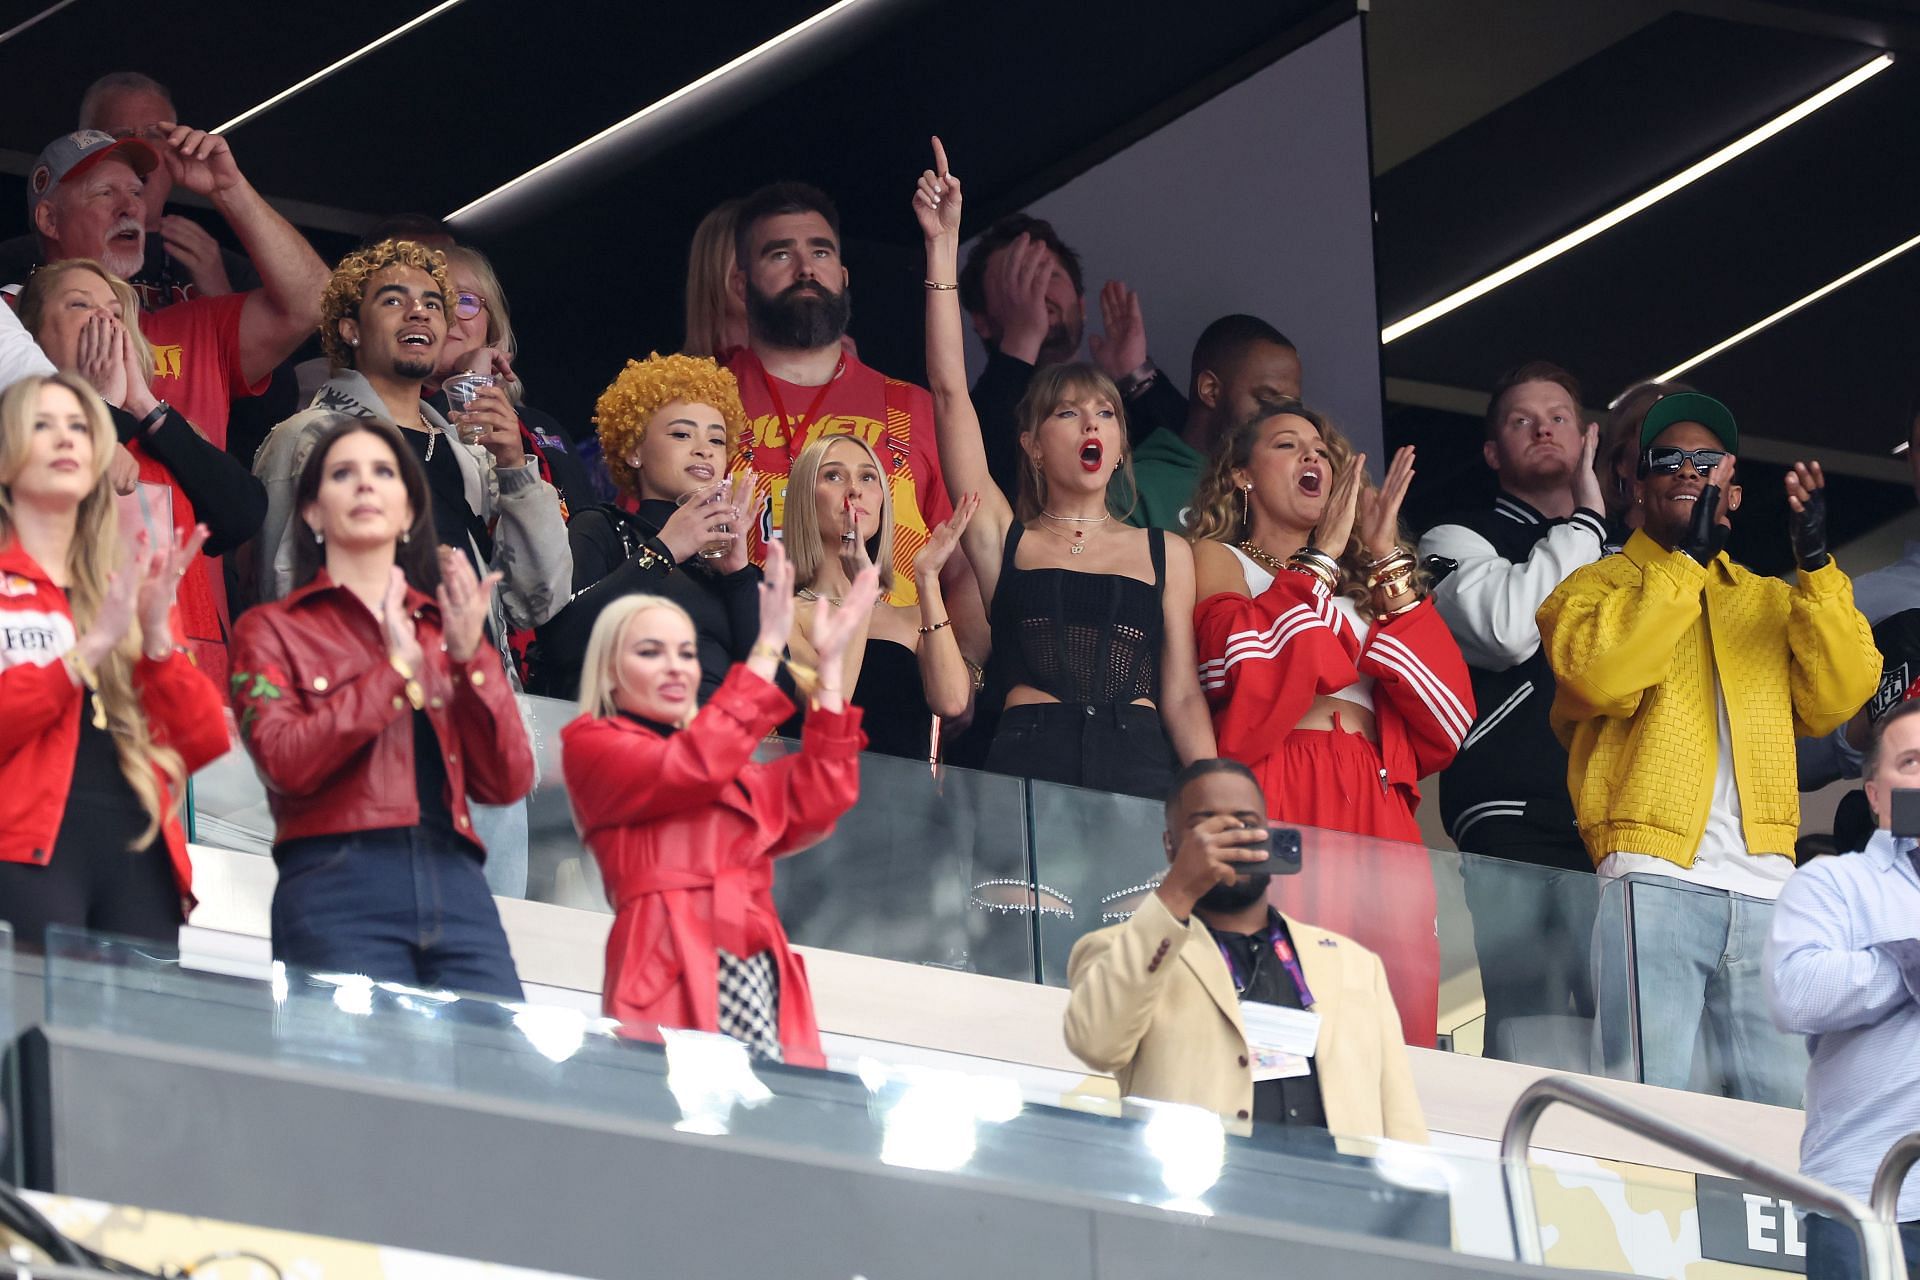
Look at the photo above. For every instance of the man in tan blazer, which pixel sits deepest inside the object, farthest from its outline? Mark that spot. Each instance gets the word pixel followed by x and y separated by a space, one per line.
pixel 1157 1000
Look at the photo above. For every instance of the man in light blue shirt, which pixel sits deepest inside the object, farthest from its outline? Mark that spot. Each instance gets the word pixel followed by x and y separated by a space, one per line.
pixel 1843 969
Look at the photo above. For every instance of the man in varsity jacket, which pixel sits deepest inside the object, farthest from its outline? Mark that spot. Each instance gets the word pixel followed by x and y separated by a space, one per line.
pixel 1505 794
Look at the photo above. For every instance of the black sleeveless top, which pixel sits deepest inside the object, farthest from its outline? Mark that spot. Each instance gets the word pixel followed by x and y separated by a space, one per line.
pixel 893 702
pixel 1082 637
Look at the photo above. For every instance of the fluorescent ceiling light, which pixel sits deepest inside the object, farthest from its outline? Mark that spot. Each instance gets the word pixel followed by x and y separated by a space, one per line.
pixel 1614 217
pixel 347 61
pixel 1769 321
pixel 36 19
pixel 751 55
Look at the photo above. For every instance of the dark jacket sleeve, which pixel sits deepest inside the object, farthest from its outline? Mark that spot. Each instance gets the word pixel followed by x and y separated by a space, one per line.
pixel 1160 405
pixel 602 573
pixel 226 497
pixel 996 399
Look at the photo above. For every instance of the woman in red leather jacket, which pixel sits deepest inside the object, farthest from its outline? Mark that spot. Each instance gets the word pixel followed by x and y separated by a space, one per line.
pixel 686 829
pixel 103 717
pixel 373 708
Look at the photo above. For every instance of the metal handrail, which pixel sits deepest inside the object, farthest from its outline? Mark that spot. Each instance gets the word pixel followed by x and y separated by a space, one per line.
pixel 1879 1241
pixel 1894 1167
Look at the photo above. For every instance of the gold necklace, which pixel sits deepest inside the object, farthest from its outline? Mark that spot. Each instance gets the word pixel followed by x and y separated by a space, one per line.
pixel 1262 557
pixel 1078 542
pixel 808 593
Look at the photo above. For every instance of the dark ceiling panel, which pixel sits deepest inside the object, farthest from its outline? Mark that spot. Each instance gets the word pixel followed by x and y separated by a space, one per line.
pixel 1598 134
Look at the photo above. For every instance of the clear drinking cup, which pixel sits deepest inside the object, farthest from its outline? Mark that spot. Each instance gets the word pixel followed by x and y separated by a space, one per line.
pixel 462 390
pixel 713 492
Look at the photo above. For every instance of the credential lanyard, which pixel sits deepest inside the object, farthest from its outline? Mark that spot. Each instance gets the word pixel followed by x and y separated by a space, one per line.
pixel 796 429
pixel 1283 952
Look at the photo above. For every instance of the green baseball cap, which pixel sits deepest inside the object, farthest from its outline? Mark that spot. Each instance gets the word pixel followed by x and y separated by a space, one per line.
pixel 1690 406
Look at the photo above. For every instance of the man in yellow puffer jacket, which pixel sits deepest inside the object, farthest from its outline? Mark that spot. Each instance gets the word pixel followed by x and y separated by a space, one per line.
pixel 1682 680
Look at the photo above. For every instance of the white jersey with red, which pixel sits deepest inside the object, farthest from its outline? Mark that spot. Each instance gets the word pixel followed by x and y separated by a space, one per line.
pixel 1265 657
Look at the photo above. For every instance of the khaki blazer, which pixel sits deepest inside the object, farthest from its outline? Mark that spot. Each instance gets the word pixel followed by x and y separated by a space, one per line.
pixel 1152 1002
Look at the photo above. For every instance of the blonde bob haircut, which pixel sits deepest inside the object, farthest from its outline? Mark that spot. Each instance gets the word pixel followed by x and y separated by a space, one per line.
pixel 499 318
pixel 800 525
pixel 642 389
pixel 1075 382
pixel 1222 512
pixel 43 284
pixel 91 560
pixel 600 673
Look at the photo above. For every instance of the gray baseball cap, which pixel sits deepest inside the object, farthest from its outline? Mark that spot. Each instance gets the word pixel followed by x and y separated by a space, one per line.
pixel 75 153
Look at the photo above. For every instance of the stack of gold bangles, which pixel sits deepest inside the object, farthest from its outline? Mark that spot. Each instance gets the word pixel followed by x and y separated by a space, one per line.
pixel 1391 578
pixel 1318 565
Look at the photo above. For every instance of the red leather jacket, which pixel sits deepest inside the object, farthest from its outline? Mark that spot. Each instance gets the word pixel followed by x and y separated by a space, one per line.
pixel 328 722
pixel 39 724
pixel 686 830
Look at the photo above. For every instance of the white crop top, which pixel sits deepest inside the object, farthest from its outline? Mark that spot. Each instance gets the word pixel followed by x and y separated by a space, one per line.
pixel 1258 579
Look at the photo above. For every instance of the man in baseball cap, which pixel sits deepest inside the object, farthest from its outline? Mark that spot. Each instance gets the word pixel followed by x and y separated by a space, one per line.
pixel 83 199
pixel 1690 406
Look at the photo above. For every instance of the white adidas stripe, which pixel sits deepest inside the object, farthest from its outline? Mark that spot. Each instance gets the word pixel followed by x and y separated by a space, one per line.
pixel 1447 710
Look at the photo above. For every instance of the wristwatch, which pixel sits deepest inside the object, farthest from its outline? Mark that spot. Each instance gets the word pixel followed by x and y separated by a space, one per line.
pixel 155 416
pixel 1139 380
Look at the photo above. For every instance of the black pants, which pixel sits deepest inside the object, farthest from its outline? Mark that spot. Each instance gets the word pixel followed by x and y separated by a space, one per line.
pixel 1532 925
pixel 1120 748
pixel 93 881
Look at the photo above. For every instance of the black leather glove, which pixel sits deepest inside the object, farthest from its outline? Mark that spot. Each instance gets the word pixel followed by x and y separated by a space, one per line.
pixel 1705 534
pixel 1807 530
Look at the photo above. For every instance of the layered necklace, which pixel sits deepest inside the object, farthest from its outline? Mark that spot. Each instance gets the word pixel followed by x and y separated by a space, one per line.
pixel 808 593
pixel 1078 541
pixel 1262 557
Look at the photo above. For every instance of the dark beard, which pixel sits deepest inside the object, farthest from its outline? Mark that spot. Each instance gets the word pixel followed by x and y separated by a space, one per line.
pixel 410 367
pixel 1240 892
pixel 803 317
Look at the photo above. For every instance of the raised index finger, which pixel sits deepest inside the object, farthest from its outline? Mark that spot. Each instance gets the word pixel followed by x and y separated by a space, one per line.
pixel 939 158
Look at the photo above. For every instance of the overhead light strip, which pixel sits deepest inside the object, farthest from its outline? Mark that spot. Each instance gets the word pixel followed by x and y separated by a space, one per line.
pixel 1614 217
pixel 34 21
pixel 1796 305
pixel 757 52
pixel 343 63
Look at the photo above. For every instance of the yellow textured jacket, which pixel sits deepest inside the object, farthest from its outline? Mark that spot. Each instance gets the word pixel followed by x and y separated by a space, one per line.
pixel 1152 1002
pixel 1634 654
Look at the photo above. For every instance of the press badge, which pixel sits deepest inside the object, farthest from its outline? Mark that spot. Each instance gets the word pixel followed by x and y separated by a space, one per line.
pixel 1281 1042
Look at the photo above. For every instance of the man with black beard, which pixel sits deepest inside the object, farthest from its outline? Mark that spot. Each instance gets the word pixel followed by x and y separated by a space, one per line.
pixel 1210 997
pixel 798 382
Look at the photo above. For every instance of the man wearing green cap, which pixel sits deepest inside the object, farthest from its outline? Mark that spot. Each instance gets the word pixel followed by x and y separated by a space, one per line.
pixel 1682 680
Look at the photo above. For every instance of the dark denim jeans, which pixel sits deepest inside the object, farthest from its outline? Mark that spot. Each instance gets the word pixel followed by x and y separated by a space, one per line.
pixel 398 905
pixel 1833 1250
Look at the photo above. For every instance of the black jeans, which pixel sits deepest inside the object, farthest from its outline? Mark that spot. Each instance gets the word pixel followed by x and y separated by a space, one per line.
pixel 93 881
pixel 406 905
pixel 1120 748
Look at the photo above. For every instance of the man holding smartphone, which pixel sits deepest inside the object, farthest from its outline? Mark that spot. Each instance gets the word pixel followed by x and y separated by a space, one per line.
pixel 1210 997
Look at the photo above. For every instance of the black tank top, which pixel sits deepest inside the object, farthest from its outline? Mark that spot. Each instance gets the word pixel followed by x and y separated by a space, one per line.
pixel 1082 637
pixel 893 702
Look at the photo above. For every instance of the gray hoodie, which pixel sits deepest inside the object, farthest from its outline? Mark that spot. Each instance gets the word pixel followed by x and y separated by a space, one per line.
pixel 529 535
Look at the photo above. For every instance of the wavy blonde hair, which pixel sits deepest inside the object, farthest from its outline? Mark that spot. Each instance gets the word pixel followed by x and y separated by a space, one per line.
pixel 91 560
pixel 600 672
pixel 347 288
pixel 709 264
pixel 45 282
pixel 1222 513
pixel 643 388
pixel 499 318
pixel 800 524
pixel 1047 390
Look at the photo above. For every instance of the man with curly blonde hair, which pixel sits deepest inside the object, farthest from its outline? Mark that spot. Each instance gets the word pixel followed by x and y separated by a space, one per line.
pixel 666 424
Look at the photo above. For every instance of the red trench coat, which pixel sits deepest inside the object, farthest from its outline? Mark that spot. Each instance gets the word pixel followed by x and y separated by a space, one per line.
pixel 686 830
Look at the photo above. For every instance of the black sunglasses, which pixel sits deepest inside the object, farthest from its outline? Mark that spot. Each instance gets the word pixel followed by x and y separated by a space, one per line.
pixel 1665 460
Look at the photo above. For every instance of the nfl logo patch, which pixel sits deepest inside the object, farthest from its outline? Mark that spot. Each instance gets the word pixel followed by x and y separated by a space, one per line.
pixel 39 180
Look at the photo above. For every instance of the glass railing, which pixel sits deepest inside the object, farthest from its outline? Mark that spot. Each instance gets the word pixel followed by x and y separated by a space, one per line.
pixel 994 875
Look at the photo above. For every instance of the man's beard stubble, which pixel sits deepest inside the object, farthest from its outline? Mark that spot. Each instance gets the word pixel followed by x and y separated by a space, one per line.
pixel 1241 891
pixel 803 317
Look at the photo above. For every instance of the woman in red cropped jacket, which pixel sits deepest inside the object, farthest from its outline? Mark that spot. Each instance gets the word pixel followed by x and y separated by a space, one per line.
pixel 373 708
pixel 1332 677
pixel 686 829
pixel 101 717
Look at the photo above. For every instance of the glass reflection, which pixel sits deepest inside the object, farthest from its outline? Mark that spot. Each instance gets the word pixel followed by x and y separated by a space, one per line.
pixel 708 1075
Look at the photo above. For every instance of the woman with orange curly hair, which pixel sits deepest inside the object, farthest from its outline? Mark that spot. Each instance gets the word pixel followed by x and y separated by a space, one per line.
pixel 664 427
pixel 1331 676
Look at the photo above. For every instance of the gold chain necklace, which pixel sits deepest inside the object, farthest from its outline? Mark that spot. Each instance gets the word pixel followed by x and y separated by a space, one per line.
pixel 1078 542
pixel 1262 557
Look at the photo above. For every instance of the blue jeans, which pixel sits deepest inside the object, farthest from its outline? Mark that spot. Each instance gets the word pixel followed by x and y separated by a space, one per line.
pixel 405 905
pixel 1699 975
pixel 1833 1250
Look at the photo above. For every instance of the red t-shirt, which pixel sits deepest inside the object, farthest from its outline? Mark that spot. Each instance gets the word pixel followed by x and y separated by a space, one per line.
pixel 196 360
pixel 895 417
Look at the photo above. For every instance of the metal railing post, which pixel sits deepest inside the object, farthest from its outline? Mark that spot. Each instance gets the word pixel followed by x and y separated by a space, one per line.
pixel 1879 1238
pixel 1894 1167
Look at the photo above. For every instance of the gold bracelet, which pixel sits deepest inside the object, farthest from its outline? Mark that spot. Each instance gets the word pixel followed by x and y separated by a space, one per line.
pixel 761 649
pixel 936 284
pixel 1317 563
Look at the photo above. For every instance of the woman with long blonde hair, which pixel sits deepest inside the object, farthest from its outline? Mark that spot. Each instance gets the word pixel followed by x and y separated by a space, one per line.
pixel 716 319
pixel 105 716
pixel 904 665
pixel 1331 676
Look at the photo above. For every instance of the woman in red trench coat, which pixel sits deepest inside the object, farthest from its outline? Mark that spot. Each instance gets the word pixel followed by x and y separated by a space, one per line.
pixel 686 829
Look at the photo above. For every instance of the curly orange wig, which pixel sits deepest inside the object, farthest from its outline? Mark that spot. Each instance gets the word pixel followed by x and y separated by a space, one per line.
pixel 348 287
pixel 645 387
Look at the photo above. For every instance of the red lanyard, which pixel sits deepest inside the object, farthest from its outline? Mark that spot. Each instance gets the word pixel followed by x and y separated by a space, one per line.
pixel 796 430
pixel 1283 952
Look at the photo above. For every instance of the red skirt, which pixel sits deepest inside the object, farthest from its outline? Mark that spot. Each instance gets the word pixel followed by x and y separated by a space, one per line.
pixel 1365 871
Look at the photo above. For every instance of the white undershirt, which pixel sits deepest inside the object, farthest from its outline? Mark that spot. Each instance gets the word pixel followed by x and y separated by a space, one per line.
pixel 1722 861
pixel 1259 578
